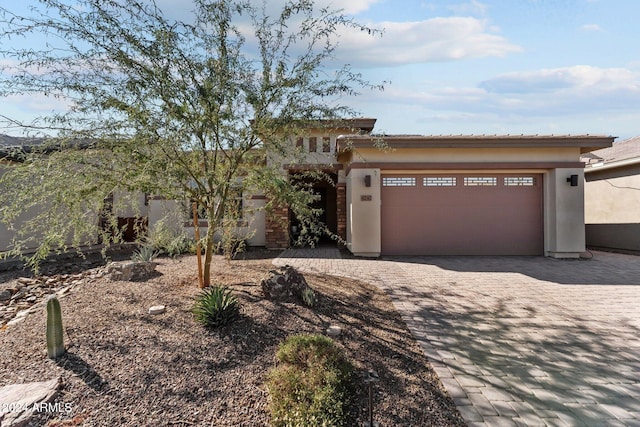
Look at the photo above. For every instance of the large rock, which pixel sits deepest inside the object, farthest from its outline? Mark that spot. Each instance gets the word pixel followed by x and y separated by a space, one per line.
pixel 130 270
pixel 284 284
pixel 19 402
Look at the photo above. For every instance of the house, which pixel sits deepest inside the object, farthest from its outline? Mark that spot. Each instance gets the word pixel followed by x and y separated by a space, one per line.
pixel 612 197
pixel 427 195
pixel 451 195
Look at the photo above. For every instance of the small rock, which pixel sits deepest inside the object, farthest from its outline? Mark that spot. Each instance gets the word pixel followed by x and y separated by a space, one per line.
pixel 334 331
pixel 18 295
pixel 15 321
pixel 157 309
pixel 31 299
pixel 5 295
pixel 130 270
pixel 63 292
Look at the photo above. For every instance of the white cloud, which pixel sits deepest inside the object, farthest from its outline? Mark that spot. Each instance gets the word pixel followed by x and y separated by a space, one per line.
pixel 472 8
pixel 591 27
pixel 576 100
pixel 437 39
pixel 579 77
pixel 350 7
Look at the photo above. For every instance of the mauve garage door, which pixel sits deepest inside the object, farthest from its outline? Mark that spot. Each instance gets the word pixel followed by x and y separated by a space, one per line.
pixel 462 214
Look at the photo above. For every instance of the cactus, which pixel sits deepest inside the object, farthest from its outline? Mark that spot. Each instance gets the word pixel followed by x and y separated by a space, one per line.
pixel 55 340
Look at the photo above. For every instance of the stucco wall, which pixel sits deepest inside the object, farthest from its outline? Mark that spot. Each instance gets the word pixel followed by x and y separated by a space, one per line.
pixel 173 214
pixel 612 208
pixel 564 214
pixel 462 155
pixel 363 212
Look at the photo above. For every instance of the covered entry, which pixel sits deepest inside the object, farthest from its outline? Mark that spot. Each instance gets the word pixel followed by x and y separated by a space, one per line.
pixel 462 214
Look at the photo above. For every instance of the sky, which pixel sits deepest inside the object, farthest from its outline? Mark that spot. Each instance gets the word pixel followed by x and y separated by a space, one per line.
pixel 484 66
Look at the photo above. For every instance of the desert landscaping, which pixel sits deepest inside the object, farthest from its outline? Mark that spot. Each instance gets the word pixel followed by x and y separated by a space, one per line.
pixel 124 366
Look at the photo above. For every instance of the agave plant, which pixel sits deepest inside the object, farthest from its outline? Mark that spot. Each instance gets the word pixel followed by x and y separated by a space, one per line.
pixel 216 306
pixel 145 254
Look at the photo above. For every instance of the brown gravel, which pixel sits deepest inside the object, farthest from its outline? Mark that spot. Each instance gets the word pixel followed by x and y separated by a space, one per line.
pixel 125 367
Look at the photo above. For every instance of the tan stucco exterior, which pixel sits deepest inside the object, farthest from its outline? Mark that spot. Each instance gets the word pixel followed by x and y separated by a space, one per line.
pixel 563 204
pixel 612 205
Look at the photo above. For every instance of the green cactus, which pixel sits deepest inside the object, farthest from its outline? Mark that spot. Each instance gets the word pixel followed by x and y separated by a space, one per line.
pixel 55 340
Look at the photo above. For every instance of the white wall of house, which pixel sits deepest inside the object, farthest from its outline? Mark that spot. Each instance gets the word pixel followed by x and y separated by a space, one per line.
pixel 612 206
pixel 564 214
pixel 130 205
pixel 363 213
pixel 176 217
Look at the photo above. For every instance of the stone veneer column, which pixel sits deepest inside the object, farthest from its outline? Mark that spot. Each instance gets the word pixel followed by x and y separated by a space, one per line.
pixel 341 210
pixel 277 228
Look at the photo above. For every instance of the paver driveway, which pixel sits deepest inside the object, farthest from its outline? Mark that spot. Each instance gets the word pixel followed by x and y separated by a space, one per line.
pixel 517 340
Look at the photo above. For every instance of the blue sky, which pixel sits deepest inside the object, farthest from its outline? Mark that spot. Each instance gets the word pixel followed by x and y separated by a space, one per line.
pixel 487 66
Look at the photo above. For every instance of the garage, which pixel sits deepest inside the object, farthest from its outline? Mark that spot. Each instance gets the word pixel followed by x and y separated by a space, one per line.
pixel 462 214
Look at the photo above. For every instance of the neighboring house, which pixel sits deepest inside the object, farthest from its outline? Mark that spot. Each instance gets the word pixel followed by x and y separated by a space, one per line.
pixel 612 197
pixel 429 195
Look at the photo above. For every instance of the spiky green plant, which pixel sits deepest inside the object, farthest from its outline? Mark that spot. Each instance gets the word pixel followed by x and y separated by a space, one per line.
pixel 55 339
pixel 144 254
pixel 216 306
pixel 309 297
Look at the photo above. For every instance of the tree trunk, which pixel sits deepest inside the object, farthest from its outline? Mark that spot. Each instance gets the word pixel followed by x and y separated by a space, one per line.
pixel 209 251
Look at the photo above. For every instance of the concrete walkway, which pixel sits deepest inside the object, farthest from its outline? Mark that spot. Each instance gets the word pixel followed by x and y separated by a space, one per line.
pixel 517 341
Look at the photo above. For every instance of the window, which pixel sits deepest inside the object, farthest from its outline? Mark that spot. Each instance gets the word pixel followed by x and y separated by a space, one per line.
pixel 405 181
pixel 326 144
pixel 439 181
pixel 313 144
pixel 519 181
pixel 299 142
pixel 480 181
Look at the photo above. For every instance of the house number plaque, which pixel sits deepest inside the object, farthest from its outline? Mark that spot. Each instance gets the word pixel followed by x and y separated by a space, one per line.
pixel 366 198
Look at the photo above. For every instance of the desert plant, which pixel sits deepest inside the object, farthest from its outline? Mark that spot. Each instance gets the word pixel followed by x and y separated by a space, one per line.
pixel 55 339
pixel 145 254
pixel 313 384
pixel 216 306
pixel 309 297
pixel 167 240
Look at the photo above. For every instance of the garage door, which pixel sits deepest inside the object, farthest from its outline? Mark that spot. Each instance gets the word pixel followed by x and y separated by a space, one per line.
pixel 462 214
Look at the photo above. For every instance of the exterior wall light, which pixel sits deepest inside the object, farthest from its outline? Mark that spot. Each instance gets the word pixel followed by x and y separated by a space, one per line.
pixel 367 180
pixel 573 179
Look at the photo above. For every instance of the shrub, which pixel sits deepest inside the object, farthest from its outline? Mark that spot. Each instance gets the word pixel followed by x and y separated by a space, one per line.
pixel 145 254
pixel 309 297
pixel 167 240
pixel 216 306
pixel 313 384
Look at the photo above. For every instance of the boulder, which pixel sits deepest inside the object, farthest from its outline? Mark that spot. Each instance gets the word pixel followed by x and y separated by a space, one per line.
pixel 130 270
pixel 19 402
pixel 284 284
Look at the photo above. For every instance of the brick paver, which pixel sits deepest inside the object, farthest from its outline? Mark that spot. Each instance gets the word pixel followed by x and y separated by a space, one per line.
pixel 521 341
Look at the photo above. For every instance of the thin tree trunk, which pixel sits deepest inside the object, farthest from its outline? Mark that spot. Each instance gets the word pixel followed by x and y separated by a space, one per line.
pixel 209 251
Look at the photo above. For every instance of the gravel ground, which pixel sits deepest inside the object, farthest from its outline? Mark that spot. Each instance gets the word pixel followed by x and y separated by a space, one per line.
pixel 125 367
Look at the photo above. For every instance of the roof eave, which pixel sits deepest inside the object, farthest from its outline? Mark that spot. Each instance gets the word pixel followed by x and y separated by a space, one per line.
pixel 586 143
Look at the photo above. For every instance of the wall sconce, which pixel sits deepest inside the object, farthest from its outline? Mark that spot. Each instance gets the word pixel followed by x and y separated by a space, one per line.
pixel 367 180
pixel 573 179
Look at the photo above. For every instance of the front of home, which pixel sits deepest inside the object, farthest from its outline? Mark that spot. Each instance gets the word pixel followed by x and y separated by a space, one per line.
pixel 452 195
pixel 423 195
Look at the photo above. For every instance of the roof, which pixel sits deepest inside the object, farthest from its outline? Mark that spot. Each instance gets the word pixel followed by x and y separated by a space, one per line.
pixel 14 147
pixel 620 154
pixel 622 150
pixel 586 143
